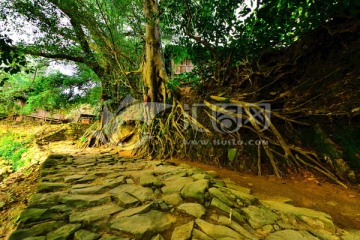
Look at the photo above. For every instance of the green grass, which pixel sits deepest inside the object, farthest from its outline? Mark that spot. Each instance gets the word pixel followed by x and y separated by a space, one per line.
pixel 12 146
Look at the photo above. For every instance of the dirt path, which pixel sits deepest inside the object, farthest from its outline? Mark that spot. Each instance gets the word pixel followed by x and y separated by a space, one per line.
pixel 305 190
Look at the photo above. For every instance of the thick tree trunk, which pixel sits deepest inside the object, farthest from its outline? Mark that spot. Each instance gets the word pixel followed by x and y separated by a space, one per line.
pixel 154 74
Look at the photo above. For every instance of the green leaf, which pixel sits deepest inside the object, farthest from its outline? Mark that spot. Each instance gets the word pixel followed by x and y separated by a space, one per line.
pixel 232 154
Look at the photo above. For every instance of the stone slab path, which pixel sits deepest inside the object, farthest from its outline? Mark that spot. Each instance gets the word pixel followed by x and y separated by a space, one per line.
pixel 86 197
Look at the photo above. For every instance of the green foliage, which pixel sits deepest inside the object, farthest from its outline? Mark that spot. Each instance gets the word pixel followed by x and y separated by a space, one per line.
pixel 50 92
pixel 176 53
pixel 11 60
pixel 12 146
pixel 227 31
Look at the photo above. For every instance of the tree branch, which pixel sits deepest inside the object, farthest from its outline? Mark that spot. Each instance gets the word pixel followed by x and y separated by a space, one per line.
pixel 61 56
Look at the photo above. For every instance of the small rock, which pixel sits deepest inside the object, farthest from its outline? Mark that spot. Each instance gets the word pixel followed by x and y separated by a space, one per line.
pixel 32 215
pixel 94 214
pixel 176 185
pixel 223 207
pixel 125 200
pixel 79 201
pixel 63 233
pixel 96 189
pixel 183 232
pixel 193 209
pixel 217 231
pixel 141 193
pixel 36 230
pixel 227 222
pixel 172 199
pixel 214 192
pixel 133 211
pixel 148 180
pixel 195 190
pixel 85 235
pixel 291 234
pixel 144 225
pixel 72 178
pixel 50 187
pixel 250 184
pixel 259 216
pixel 196 234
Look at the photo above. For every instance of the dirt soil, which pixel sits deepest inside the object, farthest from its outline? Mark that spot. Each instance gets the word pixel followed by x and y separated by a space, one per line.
pixel 305 189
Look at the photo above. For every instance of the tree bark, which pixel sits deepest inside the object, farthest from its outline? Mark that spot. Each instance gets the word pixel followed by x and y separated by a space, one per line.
pixel 154 74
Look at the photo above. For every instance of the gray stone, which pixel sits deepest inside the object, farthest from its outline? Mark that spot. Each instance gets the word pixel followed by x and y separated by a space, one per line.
pixel 85 235
pixel 244 197
pixel 196 234
pixel 314 219
pixel 79 201
pixel 96 189
pixel 235 226
pixel 214 192
pixel 50 187
pixel 39 200
pixel 132 211
pixel 225 208
pixel 87 178
pixel 125 200
pixel 259 216
pixel 183 232
pixel 36 230
pixel 148 180
pixel 61 209
pixel 193 209
pixel 81 185
pixel 144 225
pixel 172 199
pixel 176 185
pixel 95 214
pixel 195 190
pixel 217 231
pixel 32 215
pixel 111 183
pixel 291 234
pixel 63 232
pixel 72 178
pixel 141 193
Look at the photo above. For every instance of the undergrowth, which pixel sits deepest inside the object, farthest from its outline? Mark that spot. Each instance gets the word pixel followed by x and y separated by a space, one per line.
pixel 12 146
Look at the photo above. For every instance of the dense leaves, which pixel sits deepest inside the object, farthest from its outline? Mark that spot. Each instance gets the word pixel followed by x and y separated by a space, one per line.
pixel 54 91
pixel 11 60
